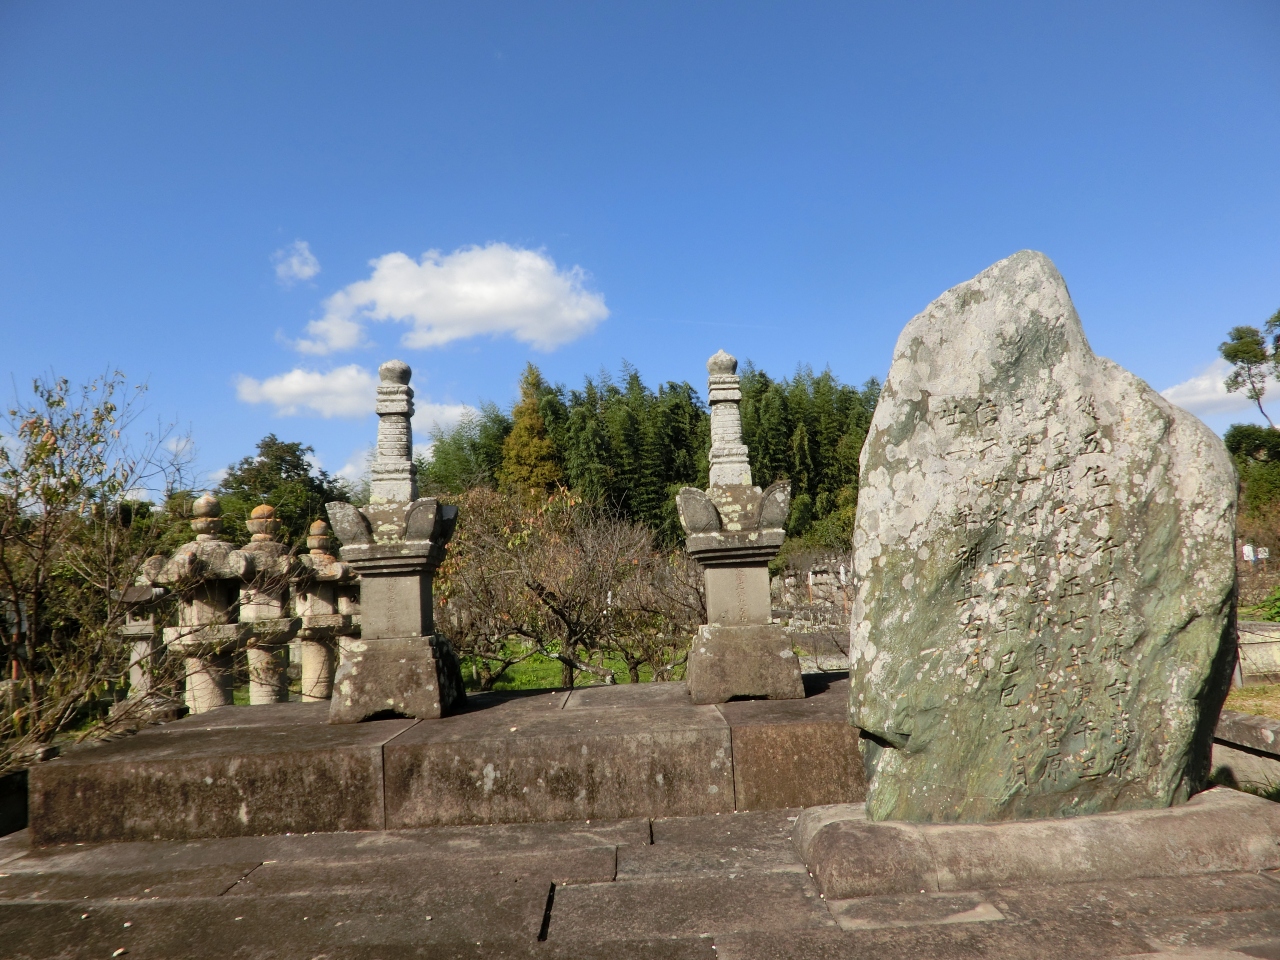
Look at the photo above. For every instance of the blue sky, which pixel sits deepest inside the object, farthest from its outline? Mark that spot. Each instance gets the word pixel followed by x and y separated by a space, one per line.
pixel 250 205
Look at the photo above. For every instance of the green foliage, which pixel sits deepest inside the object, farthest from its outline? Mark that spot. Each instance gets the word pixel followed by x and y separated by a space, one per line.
pixel 1253 356
pixel 1256 452
pixel 75 528
pixel 625 446
pixel 469 455
pixel 279 474
pixel 530 460
pixel 810 430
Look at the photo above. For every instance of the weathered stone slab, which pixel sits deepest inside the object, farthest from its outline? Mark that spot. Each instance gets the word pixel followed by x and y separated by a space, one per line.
pixel 688 907
pixel 1259 652
pixel 598 754
pixel 526 758
pixel 1250 731
pixel 395 677
pixel 1052 940
pixel 716 846
pixel 746 661
pixel 1045 571
pixel 474 868
pixel 1252 768
pixel 139 885
pixel 229 781
pixel 795 753
pixel 1220 831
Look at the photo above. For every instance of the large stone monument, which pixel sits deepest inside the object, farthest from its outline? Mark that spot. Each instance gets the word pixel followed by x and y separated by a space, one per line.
pixel 733 530
pixel 1045 580
pixel 399 666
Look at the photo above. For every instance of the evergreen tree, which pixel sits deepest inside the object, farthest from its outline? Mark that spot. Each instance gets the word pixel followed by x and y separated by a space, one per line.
pixel 529 457
pixel 282 475
pixel 466 456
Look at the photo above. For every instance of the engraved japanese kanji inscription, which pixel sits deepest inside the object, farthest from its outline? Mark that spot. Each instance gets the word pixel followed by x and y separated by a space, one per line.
pixel 1045 578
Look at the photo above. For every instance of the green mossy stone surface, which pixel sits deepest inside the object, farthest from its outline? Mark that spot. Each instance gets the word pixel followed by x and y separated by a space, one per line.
pixel 1043 619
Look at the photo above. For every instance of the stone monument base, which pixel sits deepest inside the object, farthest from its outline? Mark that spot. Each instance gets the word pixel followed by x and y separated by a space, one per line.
pixel 1219 831
pixel 751 661
pixel 417 677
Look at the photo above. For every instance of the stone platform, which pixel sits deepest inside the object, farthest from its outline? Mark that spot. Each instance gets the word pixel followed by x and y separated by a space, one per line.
pixel 643 750
pixel 731 886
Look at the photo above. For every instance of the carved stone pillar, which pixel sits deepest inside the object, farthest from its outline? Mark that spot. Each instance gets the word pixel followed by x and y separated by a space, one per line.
pixel 733 530
pixel 399 666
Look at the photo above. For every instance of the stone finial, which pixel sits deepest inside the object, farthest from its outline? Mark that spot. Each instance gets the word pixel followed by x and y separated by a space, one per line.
pixel 722 364
pixel 729 464
pixel 395 371
pixel 318 540
pixel 394 479
pixel 206 517
pixel 263 524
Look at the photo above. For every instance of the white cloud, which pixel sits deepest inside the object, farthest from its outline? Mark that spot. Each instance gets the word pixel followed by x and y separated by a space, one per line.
pixel 344 392
pixel 495 289
pixel 428 416
pixel 348 391
pixel 295 262
pixel 357 466
pixel 1204 394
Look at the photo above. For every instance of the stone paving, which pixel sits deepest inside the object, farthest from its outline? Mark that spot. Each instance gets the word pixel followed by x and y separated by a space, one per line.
pixel 727 886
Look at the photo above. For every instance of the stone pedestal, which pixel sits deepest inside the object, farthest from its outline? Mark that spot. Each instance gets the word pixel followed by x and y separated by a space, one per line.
pixel 399 666
pixel 395 677
pixel 206 645
pixel 753 661
pixel 210 681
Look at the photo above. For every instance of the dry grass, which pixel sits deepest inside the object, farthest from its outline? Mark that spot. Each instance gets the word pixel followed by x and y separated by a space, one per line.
pixel 1262 700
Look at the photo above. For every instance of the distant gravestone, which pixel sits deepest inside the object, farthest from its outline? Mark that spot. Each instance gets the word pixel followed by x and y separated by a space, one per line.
pixel 1045 575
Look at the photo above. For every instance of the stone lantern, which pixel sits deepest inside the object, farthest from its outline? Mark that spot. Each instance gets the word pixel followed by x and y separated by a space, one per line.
pixel 317 603
pixel 265 625
pixel 206 575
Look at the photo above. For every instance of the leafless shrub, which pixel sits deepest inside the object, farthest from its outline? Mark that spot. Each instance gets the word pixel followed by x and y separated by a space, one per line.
pixel 563 579
pixel 75 528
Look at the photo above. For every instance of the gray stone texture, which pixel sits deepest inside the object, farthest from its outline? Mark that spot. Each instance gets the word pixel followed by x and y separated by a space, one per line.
pixel 1220 831
pixel 743 661
pixel 591 753
pixel 399 666
pixel 192 779
pixel 395 677
pixel 733 530
pixel 795 753
pixel 536 758
pixel 697 887
pixel 1043 554
pixel 1246 750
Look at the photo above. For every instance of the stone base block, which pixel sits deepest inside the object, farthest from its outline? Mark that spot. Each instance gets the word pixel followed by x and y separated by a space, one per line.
pixel 755 661
pixel 230 772
pixel 1219 831
pixel 407 677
